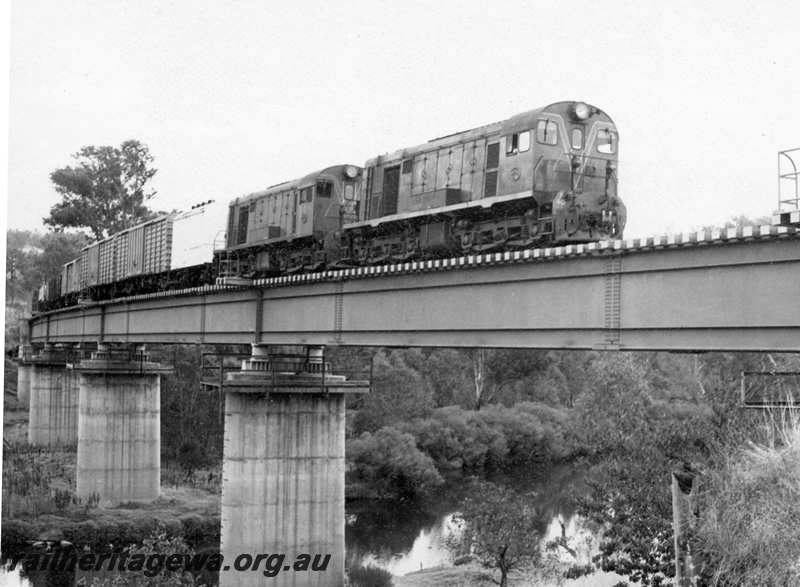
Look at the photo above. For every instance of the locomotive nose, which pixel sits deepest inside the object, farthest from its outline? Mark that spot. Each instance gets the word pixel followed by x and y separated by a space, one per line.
pixel 588 216
pixel 606 214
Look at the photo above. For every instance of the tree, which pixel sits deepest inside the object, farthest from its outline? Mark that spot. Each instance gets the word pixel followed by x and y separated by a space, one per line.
pixel 31 258
pixel 502 528
pixel 58 248
pixel 399 393
pixel 105 190
pixel 191 429
pixel 495 370
pixel 640 437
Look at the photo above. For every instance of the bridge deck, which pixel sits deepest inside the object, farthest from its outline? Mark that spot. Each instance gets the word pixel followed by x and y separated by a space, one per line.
pixel 729 290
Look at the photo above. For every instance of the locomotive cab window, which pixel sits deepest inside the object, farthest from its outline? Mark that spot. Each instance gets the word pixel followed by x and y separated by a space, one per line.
pixel 606 141
pixel 518 143
pixel 305 195
pixel 547 132
pixel 324 189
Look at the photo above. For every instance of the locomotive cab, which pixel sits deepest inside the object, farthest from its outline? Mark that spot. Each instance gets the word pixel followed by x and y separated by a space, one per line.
pixel 571 168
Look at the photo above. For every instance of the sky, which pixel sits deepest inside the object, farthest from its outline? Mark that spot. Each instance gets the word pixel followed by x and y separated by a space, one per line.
pixel 232 96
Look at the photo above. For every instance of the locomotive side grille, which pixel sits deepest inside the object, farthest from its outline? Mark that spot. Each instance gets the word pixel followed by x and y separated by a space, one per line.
pixel 490 187
pixel 492 155
pixel 231 236
pixel 369 207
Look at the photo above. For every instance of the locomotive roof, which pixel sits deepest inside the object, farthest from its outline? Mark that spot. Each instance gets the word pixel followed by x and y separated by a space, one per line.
pixel 522 121
pixel 305 181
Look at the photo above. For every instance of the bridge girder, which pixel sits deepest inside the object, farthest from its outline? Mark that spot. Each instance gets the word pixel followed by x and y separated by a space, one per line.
pixel 735 295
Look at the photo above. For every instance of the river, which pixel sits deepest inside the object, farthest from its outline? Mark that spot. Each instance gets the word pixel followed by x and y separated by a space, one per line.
pixel 410 536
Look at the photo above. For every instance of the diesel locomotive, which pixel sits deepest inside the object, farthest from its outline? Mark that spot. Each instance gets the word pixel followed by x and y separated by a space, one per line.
pixel 544 177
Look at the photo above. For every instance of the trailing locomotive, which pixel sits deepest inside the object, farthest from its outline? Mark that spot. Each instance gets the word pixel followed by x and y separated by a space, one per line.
pixel 543 177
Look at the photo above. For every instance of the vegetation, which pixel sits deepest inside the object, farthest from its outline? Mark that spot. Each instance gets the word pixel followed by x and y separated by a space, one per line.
pixel 500 528
pixel 749 531
pixel 31 257
pixel 191 416
pixel 388 464
pixel 369 577
pixel 105 189
pixel 157 543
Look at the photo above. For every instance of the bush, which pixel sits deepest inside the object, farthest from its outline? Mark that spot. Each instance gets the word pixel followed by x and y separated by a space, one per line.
pixel 199 529
pixel 370 577
pixel 388 465
pixel 15 537
pixel 496 437
pixel 464 438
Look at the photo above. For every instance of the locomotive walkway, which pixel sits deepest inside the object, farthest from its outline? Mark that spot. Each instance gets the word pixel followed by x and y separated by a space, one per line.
pixel 283 456
pixel 733 290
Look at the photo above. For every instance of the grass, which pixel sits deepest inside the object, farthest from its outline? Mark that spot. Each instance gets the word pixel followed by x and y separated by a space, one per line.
pixel 750 517
pixel 36 481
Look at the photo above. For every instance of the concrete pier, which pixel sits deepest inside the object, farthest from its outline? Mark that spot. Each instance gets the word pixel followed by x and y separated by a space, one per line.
pixel 24 374
pixel 52 408
pixel 283 468
pixel 119 426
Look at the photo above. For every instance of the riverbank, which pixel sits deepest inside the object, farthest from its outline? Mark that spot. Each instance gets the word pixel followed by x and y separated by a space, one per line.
pixel 39 501
pixel 465 576
pixel 473 575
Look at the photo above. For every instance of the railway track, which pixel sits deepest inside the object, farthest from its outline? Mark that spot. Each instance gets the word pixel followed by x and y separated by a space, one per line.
pixel 706 238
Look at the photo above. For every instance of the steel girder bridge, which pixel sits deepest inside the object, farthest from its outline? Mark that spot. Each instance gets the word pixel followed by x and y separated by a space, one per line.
pixel 728 290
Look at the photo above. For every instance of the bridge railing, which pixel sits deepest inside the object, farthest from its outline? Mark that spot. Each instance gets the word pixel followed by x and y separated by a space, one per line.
pixel 788 180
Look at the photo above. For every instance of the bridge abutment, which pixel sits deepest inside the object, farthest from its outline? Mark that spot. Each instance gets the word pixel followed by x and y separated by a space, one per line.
pixel 284 466
pixel 119 426
pixel 52 407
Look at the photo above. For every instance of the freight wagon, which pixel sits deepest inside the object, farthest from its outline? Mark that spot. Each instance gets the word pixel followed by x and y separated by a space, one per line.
pixel 168 251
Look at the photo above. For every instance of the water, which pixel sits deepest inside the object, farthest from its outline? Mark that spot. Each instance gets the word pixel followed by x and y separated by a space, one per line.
pixel 9 578
pixel 415 536
pixel 428 550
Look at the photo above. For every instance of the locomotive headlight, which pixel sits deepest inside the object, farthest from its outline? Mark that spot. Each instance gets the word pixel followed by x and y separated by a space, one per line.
pixel 582 110
pixel 351 171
